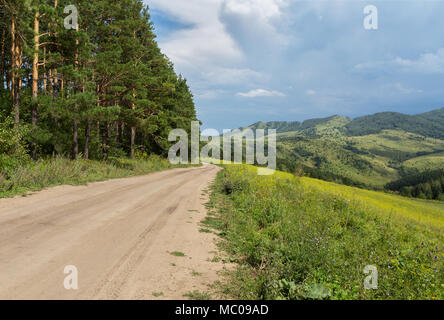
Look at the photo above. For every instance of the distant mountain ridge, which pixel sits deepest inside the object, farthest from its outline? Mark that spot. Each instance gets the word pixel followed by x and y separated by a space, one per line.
pixel 368 152
pixel 429 124
pixel 289 126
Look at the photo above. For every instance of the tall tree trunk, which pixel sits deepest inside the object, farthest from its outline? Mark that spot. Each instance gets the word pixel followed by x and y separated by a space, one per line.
pixel 35 82
pixel 133 138
pixel 117 133
pixel 14 80
pixel 19 56
pixel 75 141
pixel 87 127
pixel 87 137
pixel 55 94
pixel 2 63
pixel 53 81
pixel 122 131
pixel 45 73
pixel 106 140
pixel 5 71
pixel 133 129
pixel 13 44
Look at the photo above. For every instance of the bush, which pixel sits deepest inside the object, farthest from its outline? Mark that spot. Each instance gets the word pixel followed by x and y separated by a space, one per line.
pixel 12 148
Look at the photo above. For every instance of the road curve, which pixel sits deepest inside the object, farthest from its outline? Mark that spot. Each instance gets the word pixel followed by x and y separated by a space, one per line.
pixel 119 234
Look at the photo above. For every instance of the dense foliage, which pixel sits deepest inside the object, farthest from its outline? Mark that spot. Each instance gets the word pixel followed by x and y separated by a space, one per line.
pixel 324 158
pixel 424 185
pixel 305 127
pixel 429 124
pixel 104 89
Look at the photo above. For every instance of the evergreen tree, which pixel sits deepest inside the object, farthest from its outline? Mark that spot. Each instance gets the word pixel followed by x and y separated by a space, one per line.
pixel 103 88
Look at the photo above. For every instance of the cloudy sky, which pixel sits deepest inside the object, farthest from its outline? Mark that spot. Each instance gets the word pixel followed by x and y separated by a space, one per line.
pixel 266 60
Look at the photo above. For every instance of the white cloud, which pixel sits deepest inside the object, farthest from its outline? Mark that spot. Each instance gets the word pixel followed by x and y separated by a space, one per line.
pixel 207 52
pixel 205 46
pixel 256 22
pixel 225 48
pixel 263 9
pixel 261 93
pixel 205 42
pixel 427 63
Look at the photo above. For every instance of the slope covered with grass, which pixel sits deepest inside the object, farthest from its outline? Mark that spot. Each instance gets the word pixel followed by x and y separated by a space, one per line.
pixel 300 238
pixel 33 176
pixel 369 161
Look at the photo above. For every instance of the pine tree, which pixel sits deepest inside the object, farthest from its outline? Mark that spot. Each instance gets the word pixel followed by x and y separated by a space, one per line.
pixel 104 88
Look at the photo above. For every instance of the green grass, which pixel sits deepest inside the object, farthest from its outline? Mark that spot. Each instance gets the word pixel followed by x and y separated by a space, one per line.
pixel 157 294
pixel 407 210
pixel 424 163
pixel 197 295
pixel 34 176
pixel 177 254
pixel 300 238
pixel 335 155
pixel 391 141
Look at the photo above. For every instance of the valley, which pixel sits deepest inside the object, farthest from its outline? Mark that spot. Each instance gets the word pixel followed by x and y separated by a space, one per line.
pixel 381 151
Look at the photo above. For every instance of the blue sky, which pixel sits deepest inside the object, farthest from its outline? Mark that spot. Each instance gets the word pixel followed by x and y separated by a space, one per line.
pixel 268 60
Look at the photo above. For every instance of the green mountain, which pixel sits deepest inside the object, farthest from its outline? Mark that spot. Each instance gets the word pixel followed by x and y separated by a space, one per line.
pixel 430 124
pixel 368 152
pixel 308 126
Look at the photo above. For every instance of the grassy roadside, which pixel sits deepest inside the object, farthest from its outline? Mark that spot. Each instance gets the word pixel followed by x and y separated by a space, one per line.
pixel 34 176
pixel 297 239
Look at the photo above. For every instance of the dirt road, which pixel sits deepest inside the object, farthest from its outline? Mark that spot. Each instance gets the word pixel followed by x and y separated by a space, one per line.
pixel 119 234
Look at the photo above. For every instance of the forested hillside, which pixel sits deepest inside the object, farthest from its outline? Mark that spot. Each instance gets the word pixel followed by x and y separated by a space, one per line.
pixel 367 152
pixel 430 124
pixel 98 90
pixel 308 126
pixel 424 185
pixel 369 161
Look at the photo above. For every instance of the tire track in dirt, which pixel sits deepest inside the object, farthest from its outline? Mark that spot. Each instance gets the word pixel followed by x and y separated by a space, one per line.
pixel 117 233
